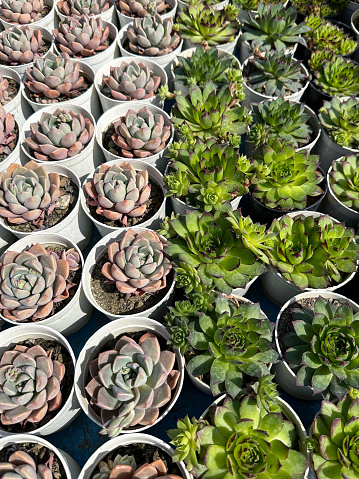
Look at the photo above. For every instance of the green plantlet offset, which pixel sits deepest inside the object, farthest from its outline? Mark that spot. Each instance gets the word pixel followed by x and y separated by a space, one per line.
pixel 337 77
pixel 344 181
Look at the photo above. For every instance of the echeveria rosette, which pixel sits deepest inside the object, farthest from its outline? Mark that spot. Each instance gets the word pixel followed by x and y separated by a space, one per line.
pixel 344 181
pixel 20 45
pixel 139 8
pixel 23 11
pixel 21 465
pixel 323 349
pixel 210 251
pixel 131 382
pixel 335 439
pixel 273 27
pixel 71 8
pixel 30 385
pixel 126 465
pixel 229 343
pixel 8 135
pixel 284 178
pixel 338 77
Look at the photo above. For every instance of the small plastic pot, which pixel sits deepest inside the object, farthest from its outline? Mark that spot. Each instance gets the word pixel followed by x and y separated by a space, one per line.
pixel 354 19
pixel 217 6
pixel 244 53
pixel 126 19
pixel 71 468
pixel 152 223
pixel 107 16
pixel 71 409
pixel 109 117
pixel 284 376
pixel 100 248
pixel 81 164
pixel 46 22
pixel 92 348
pixel 346 14
pixel 244 14
pixel 227 47
pixel 78 311
pixel 108 103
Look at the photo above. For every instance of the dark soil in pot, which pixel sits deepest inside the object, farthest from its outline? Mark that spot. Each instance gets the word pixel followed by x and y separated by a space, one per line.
pixel 61 354
pixel 44 48
pixel 153 204
pixel 40 454
pixel 3 156
pixel 63 207
pixel 12 90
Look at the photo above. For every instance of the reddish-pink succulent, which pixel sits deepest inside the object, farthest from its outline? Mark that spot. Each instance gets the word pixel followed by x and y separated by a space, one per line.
pixel 125 467
pixel 8 136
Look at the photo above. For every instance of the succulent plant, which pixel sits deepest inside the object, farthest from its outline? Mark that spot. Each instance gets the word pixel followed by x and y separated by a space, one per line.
pixel 138 264
pixel 131 382
pixel 338 77
pixel 208 249
pixel 335 436
pixel 20 464
pixel 118 192
pixel 279 119
pixel 185 439
pixel 140 134
pixel 209 65
pixel 202 24
pixel 30 384
pixel 28 193
pixel 151 36
pixel 340 119
pixel 273 27
pixel 131 81
pixel 8 134
pixel 23 11
pixel 20 45
pixel 55 77
pixel 283 178
pixel 32 281
pixel 59 135
pixel 71 8
pixel 318 59
pixel 310 252
pixel 323 347
pixel 326 35
pixel 210 113
pixel 321 8
pixel 344 181
pixel 109 469
pixel 139 8
pixel 7 92
pixel 252 5
pixel 275 74
pixel 82 36
pixel 206 175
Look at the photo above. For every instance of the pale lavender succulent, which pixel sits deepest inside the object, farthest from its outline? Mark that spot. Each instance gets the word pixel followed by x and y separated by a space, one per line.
pixel 69 8
pixel 21 465
pixel 23 11
pixel 20 45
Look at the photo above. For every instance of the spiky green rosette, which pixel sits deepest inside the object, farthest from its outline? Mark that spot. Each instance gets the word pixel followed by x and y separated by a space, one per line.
pixel 344 181
pixel 337 76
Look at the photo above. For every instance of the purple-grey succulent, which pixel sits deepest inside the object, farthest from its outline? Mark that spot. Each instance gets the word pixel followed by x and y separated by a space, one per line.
pixel 8 136
pixel 69 8
pixel 20 45
pixel 126 467
pixel 21 465
pixel 139 8
pixel 23 11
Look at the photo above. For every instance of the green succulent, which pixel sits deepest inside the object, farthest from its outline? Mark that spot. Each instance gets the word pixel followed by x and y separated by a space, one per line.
pixel 273 27
pixel 210 253
pixel 341 121
pixel 252 5
pixel 276 74
pixel 311 252
pixel 283 178
pixel 279 119
pixel 322 8
pixel 344 181
pixel 335 436
pixel 318 59
pixel 338 77
pixel 210 113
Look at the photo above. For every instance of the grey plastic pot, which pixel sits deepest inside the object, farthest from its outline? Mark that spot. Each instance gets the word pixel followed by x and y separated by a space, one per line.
pixel 71 409
pixel 159 159
pixel 104 71
pixel 227 47
pixel 217 6
pixel 279 290
pixel 92 348
pixel 284 376
pixel 46 22
pixel 153 222
pixel 333 206
pixel 252 96
pixel 127 440
pixel 81 164
pixel 71 468
pixel 78 311
pixel 108 16
pixel 126 19
pixel 100 248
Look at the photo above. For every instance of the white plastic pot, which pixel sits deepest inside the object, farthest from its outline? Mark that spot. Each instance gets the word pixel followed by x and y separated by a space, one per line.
pixel 153 222
pixel 108 103
pixel 163 60
pixel 81 164
pixel 13 106
pixel 353 20
pixel 227 47
pixel 129 439
pixel 100 248
pixel 279 290
pixel 244 15
pixel 187 54
pixel 71 468
pixel 333 206
pixel 126 19
pixel 244 53
pixel 108 16
pixel 109 117
pixel 46 22
pixel 87 100
pixel 70 409
pixel 180 206
pixel 284 376
pixel 101 58
pixel 217 6
pixel 92 349
pixel 78 311
pixel 252 96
